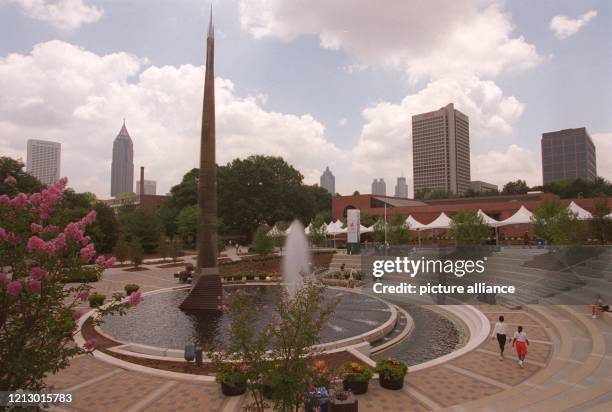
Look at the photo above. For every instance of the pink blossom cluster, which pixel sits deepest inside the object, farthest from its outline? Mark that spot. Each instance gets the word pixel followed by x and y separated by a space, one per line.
pixel 134 298
pixel 87 253
pixel 102 261
pixel 42 203
pixel 38 273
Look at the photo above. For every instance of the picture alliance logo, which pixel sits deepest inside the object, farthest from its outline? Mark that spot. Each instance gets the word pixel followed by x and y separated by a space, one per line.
pixel 413 267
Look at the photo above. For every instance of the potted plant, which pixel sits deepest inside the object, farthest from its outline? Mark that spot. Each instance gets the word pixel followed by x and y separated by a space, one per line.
pixel 391 373
pixel 233 380
pixel 355 377
pixel 131 288
pixel 96 300
pixel 321 375
pixel 342 400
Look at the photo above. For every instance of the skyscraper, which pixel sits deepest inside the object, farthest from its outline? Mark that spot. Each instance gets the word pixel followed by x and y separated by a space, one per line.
pixel 441 150
pixel 328 181
pixel 122 170
pixel 568 153
pixel 44 160
pixel 401 188
pixel 379 187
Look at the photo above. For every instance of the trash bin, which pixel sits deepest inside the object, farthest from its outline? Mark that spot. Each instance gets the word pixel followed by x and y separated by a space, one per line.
pixel 539 243
pixel 189 352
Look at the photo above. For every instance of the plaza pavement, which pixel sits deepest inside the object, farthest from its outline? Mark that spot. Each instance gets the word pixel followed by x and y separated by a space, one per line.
pixel 569 367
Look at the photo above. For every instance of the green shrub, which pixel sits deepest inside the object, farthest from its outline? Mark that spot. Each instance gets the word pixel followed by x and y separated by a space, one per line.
pixel 131 288
pixel 391 368
pixel 263 276
pixel 83 274
pixel 96 300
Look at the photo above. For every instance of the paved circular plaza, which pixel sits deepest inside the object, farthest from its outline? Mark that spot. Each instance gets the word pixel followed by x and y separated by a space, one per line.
pixel 569 367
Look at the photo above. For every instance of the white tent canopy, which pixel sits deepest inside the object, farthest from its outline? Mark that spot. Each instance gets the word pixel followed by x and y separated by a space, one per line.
pixel 488 220
pixel 335 228
pixel 414 224
pixel 521 216
pixel 275 231
pixel 364 229
pixel 441 222
pixel 582 213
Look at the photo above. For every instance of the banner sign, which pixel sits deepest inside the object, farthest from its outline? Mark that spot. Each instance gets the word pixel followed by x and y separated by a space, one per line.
pixel 353 217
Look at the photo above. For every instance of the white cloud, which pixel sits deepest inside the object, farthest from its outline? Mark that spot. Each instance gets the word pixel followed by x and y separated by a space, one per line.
pixel 501 167
pixel 63 14
pixel 603 145
pixel 425 39
pixel 63 93
pixel 343 122
pixel 564 27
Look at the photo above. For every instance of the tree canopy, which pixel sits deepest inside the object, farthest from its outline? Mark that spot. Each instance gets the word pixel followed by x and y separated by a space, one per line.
pixel 517 187
pixel 25 182
pixel 468 227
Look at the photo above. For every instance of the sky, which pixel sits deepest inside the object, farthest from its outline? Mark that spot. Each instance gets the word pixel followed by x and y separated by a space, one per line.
pixel 319 83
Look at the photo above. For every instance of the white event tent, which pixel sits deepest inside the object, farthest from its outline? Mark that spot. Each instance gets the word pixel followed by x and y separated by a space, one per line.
pixel 522 216
pixel 488 220
pixel 414 224
pixel 441 222
pixel 580 212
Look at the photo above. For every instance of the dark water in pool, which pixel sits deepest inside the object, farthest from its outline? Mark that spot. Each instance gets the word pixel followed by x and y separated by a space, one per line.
pixel 433 336
pixel 158 321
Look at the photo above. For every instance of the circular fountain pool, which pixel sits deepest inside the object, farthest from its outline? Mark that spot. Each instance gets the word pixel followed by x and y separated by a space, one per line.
pixel 158 321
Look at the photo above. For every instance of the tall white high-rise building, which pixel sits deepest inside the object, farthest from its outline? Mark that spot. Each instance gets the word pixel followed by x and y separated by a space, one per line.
pixel 441 150
pixel 150 187
pixel 44 160
pixel 379 187
pixel 328 181
pixel 401 188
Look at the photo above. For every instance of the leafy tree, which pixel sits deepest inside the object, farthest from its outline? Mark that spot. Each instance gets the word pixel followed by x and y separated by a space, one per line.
pixel 578 188
pixel 24 182
pixel 557 225
pixel 398 231
pixel 367 220
pixel 318 232
pixel 468 227
pixel 143 223
pixel 601 225
pixel 38 312
pixel 265 189
pixel 124 194
pixel 472 193
pixel 543 219
pixel 136 251
pixel 378 233
pixel 163 248
pixel 105 230
pixel 175 248
pixel 356 193
pixel 425 194
pixel 518 187
pixel 187 223
pixel 262 243
pixel 122 250
pixel 279 237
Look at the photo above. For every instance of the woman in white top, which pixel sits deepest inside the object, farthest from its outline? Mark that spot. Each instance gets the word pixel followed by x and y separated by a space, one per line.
pixel 500 332
pixel 520 341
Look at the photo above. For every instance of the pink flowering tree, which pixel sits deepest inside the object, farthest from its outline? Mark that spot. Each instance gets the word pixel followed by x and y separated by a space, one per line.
pixel 38 312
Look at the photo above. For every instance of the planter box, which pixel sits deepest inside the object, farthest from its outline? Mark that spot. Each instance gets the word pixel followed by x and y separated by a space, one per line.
pixel 231 390
pixel 349 405
pixel 357 388
pixel 393 384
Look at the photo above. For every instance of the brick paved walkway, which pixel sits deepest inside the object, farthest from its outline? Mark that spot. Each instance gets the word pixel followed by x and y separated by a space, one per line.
pixel 561 339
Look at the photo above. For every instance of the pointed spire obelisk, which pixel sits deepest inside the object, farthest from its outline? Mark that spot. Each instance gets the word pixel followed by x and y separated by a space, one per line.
pixel 206 292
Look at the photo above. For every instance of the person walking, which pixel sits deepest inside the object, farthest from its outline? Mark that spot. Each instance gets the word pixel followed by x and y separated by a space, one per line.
pixel 500 332
pixel 520 341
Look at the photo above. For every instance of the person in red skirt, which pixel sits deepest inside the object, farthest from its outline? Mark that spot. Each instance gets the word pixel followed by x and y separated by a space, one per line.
pixel 520 341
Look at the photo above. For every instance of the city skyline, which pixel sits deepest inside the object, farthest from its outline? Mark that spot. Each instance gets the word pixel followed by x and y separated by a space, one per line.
pixel 314 95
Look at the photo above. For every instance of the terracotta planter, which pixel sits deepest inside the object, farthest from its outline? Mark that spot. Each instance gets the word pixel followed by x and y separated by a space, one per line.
pixel 232 390
pixel 393 384
pixel 357 388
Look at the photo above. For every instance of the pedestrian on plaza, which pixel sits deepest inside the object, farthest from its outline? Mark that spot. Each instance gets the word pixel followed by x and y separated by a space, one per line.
pixel 526 239
pixel 520 341
pixel 500 332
